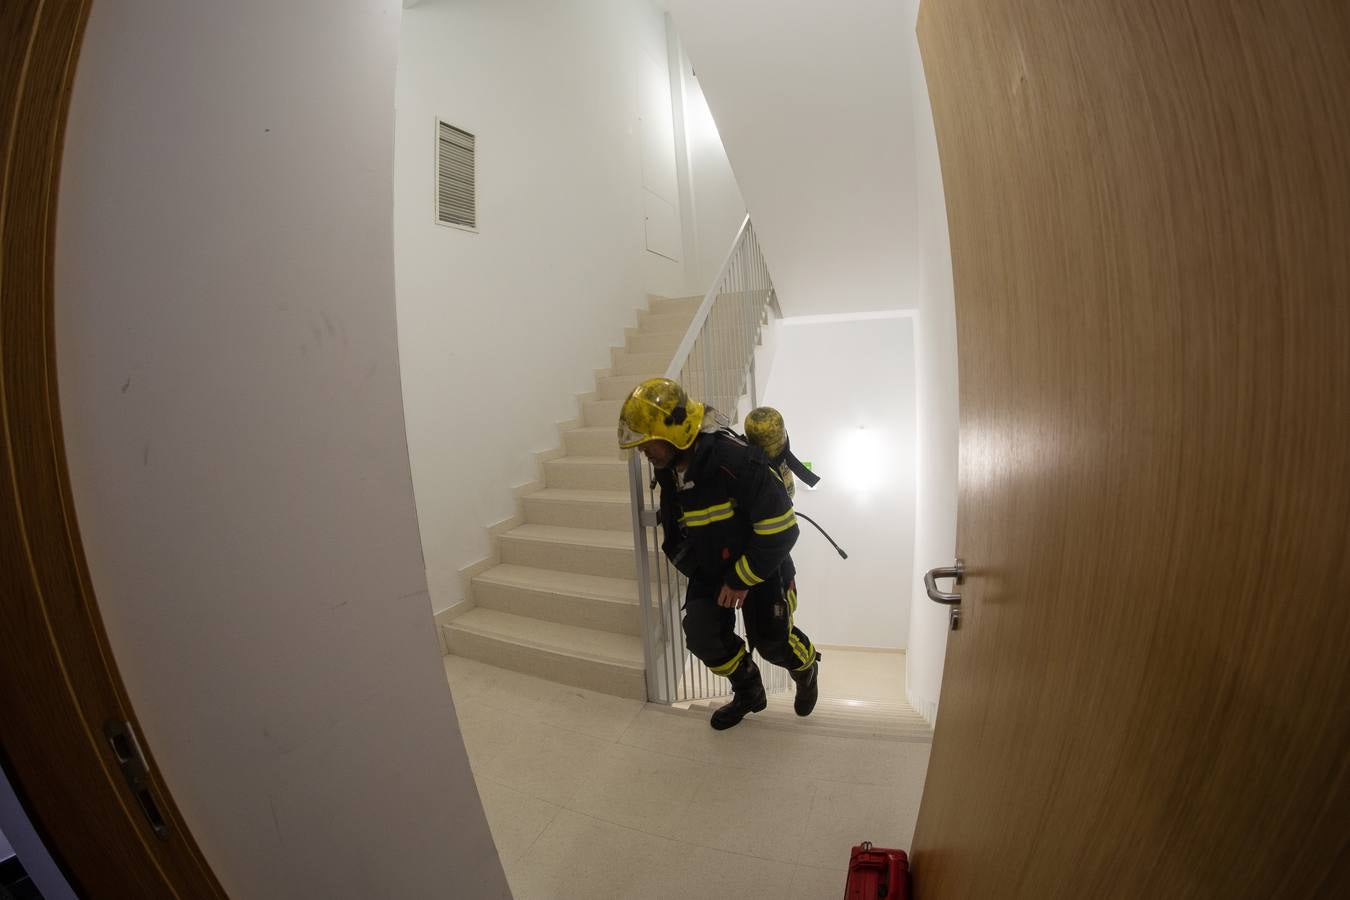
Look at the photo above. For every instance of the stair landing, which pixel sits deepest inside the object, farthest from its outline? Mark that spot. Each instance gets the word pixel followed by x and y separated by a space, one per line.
pixel 837 718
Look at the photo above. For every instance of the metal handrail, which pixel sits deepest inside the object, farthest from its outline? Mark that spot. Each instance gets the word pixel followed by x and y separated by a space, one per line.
pixel 715 361
pixel 696 325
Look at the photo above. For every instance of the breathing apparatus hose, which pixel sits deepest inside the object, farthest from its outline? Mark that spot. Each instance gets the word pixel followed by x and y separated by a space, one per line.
pixel 838 549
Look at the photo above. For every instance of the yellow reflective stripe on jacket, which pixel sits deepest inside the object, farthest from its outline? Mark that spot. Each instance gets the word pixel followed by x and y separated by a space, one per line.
pixel 730 665
pixel 776 524
pixel 718 513
pixel 715 517
pixel 745 573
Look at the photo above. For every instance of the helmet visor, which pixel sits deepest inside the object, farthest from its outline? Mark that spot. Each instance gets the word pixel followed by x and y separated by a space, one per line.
pixel 628 438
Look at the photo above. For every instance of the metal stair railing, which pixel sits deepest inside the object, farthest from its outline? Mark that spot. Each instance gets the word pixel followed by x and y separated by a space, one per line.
pixel 715 363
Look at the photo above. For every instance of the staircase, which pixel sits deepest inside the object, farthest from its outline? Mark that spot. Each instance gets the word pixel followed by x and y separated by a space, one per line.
pixel 561 601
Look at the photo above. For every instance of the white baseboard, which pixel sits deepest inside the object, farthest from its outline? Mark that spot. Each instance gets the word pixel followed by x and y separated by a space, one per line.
pixel 842 647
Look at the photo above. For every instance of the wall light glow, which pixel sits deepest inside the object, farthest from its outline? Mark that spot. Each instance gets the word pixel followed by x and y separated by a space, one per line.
pixel 861 459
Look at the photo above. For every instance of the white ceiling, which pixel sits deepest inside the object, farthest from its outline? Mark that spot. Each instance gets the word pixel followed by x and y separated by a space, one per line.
pixel 812 102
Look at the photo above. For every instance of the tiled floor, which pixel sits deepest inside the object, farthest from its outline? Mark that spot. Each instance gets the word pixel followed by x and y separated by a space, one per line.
pixel 592 796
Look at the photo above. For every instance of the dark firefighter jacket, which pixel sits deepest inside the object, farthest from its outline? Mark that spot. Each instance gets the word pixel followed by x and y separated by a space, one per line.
pixel 727 518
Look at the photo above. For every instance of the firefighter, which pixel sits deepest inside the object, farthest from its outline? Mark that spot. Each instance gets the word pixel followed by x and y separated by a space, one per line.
pixel 728 526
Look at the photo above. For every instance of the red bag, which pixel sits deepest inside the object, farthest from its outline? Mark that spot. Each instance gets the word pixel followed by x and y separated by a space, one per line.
pixel 877 872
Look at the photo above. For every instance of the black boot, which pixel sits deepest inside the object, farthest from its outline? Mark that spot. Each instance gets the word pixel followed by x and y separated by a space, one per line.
pixel 747 697
pixel 808 688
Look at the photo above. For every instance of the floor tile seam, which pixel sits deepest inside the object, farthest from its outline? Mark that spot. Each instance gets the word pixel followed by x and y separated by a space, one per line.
pixel 515 696
pixel 812 728
pixel 861 784
pixel 883 741
pixel 552 819
pixel 811 813
pixel 749 768
pixel 554 809
pixel 846 734
pixel 631 720
pixel 802 823
pixel 666 837
pixel 587 734
pixel 583 782
pixel 808 732
pixel 810 810
pixel 864 729
pixel 831 782
pixel 515 790
pixel 622 740
pixel 684 758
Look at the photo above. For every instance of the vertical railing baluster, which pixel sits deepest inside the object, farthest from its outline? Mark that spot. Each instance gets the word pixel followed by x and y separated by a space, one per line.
pixel 717 366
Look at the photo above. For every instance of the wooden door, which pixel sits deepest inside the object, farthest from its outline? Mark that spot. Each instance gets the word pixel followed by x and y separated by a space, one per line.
pixel 1149 205
pixel 58 684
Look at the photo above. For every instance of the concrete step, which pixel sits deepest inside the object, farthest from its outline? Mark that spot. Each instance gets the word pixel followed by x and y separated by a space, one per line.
pixel 611 510
pixel 624 363
pixel 585 551
pixel 838 718
pixel 587 473
pixel 673 305
pixel 566 598
pixel 618 387
pixel 601 412
pixel 582 657
pixel 596 440
pixel 657 323
pixel 662 342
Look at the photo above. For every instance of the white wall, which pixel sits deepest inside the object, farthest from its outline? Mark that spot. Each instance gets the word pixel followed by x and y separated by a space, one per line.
pixel 812 101
pixel 229 381
pixel 938 402
pixel 500 330
pixel 766 355
pixel 845 388
pixel 716 208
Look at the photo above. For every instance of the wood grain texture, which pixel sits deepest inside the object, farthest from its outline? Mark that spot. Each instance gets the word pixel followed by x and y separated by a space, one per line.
pixel 58 682
pixel 1149 207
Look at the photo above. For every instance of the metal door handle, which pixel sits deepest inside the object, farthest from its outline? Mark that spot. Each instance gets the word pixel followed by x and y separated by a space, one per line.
pixel 957 571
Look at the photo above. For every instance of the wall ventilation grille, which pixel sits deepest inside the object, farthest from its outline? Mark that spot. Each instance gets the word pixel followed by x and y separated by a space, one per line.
pixel 456 196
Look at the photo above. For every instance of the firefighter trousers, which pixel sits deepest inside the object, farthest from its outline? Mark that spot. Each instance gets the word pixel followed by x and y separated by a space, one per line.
pixel 769 609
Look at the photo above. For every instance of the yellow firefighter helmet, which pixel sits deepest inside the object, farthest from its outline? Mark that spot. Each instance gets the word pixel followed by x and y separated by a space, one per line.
pixel 659 410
